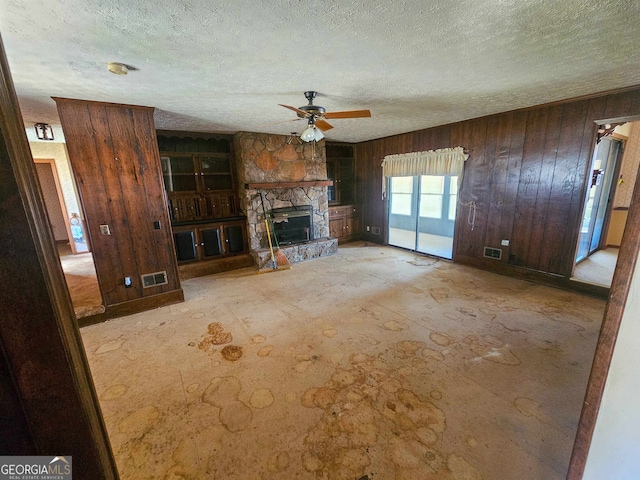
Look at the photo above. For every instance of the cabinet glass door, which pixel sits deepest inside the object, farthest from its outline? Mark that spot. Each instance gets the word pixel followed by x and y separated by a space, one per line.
pixel 185 245
pixel 216 173
pixel 211 242
pixel 178 173
pixel 235 238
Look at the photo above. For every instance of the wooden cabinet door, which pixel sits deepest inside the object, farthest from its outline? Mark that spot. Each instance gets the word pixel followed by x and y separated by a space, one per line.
pixel 185 242
pixel 210 244
pixel 336 227
pixel 234 239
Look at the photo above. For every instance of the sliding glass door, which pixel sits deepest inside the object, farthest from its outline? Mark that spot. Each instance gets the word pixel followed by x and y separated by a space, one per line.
pixel 422 212
pixel 598 197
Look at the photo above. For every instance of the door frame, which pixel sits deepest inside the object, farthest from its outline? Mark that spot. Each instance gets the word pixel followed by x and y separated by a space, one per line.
pixel 63 205
pixel 614 310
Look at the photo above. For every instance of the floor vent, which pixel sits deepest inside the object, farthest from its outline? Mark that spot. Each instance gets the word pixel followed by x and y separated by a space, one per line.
pixel 495 253
pixel 153 279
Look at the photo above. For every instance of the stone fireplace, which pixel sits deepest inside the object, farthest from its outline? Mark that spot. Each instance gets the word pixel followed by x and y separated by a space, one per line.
pixel 278 172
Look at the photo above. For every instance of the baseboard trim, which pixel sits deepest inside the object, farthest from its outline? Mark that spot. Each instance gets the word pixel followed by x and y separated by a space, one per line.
pixel 134 306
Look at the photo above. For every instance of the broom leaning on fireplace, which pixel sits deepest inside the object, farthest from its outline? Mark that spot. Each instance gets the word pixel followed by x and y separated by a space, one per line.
pixel 279 260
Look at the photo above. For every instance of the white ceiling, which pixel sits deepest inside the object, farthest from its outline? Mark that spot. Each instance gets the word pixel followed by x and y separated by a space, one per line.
pixel 223 66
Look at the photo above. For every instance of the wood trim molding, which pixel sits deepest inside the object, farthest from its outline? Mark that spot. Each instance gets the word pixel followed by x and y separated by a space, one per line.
pixel 614 311
pixel 63 204
pixel 105 104
pixel 39 336
pixel 270 185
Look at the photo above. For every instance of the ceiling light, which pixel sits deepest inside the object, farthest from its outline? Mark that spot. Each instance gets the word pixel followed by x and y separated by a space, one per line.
pixel 318 134
pixel 44 131
pixel 118 68
pixel 309 134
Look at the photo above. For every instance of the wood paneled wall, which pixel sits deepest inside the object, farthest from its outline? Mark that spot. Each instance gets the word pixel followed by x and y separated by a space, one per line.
pixel 526 173
pixel 114 155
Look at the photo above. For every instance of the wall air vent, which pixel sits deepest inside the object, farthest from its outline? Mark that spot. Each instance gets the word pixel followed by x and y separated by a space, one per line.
pixel 494 253
pixel 154 279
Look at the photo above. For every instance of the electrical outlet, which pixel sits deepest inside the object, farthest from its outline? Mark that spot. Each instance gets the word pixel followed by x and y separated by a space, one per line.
pixel 368 228
pixel 127 282
pixel 104 230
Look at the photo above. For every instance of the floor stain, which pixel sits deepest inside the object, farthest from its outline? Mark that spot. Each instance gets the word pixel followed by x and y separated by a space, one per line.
pixel 220 336
pixel 395 326
pixel 216 335
pixel 441 339
pixel 265 351
pixel 261 398
pixel 410 346
pixel 114 391
pixel 164 334
pixel 329 332
pixel 232 352
pixel 278 462
pixel 139 420
pixel 258 339
pixel 357 408
pixel 432 354
pixel 109 346
pixel 223 393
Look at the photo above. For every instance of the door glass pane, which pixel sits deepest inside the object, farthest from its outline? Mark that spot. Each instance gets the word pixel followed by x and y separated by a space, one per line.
pixel 402 220
pixel 401 192
pixel 435 227
pixel 431 184
pixel 430 206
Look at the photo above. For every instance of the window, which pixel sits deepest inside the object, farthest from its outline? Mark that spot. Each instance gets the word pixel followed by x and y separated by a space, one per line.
pixel 401 189
pixel 431 194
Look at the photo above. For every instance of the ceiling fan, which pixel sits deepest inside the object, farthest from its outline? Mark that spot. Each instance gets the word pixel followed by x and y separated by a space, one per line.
pixel 316 115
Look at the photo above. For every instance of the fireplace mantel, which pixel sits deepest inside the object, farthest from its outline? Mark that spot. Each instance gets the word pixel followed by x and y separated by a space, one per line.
pixel 270 185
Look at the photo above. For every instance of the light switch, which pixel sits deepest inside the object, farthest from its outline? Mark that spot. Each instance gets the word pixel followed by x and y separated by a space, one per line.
pixel 504 243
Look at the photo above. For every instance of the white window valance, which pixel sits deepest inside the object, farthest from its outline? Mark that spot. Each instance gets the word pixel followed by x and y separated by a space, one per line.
pixel 444 161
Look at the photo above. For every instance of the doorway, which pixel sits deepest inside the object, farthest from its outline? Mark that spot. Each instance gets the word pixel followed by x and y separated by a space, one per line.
pixel 612 176
pixel 422 212
pixel 71 242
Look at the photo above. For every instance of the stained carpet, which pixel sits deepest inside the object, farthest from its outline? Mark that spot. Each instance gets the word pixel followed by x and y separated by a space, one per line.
pixel 373 363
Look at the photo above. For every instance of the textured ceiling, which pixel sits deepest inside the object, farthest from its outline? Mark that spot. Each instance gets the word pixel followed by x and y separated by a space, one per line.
pixel 223 66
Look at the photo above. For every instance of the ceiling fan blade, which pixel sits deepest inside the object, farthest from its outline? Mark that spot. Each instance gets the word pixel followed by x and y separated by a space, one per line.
pixel 348 114
pixel 322 125
pixel 297 110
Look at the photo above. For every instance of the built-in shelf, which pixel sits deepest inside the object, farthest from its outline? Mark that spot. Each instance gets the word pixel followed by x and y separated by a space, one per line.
pixel 266 186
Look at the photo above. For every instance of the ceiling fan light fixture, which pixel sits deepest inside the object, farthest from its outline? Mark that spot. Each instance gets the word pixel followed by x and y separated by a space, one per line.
pixel 318 135
pixel 309 135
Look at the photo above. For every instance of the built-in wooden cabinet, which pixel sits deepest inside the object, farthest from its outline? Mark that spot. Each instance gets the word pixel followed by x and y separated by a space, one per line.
pixel 341 169
pixel 209 241
pixel 200 184
pixel 209 231
pixel 345 222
